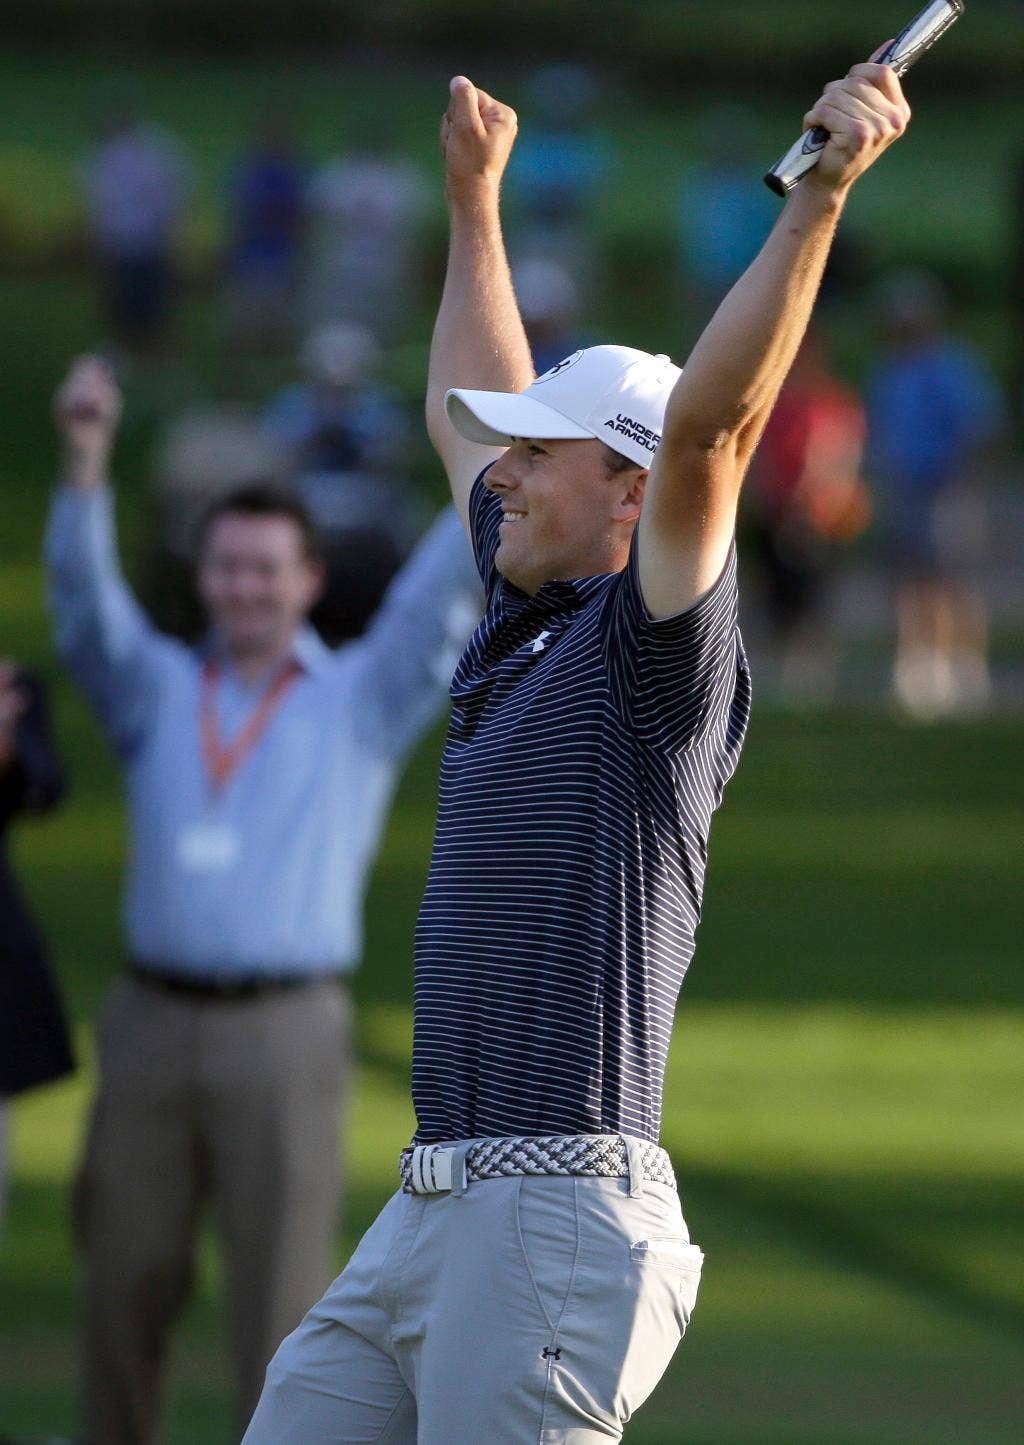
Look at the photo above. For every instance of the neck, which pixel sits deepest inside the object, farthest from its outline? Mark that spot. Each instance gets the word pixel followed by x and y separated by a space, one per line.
pixel 598 563
pixel 252 665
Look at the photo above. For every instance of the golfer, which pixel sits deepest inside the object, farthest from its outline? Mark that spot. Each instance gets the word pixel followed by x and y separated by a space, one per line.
pixel 532 1277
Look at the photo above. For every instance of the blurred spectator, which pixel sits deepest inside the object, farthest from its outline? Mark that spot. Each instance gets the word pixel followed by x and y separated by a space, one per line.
pixel 339 418
pixel 549 304
pixel 205 452
pixel 556 173
pixel 345 438
pixel 724 212
pixel 809 500
pixel 933 408
pixel 136 185
pixel 258 769
pixel 366 208
pixel 34 1043
pixel 266 200
pixel 1015 292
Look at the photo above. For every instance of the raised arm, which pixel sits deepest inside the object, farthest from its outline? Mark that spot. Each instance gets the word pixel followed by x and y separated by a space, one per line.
pixel 412 644
pixel 102 633
pixel 479 339
pixel 732 377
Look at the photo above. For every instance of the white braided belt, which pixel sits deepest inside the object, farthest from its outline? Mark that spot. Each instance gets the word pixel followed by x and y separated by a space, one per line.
pixel 427 1168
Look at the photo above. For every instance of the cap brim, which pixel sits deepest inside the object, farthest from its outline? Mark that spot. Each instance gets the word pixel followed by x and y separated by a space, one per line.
pixel 497 418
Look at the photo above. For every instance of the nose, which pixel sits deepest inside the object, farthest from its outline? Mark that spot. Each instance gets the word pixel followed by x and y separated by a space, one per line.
pixel 246 585
pixel 502 475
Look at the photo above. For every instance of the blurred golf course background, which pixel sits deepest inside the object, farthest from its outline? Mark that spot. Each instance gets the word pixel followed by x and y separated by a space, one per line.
pixel 844 1098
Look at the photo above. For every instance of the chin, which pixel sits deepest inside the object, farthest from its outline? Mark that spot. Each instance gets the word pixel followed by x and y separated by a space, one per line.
pixel 506 565
pixel 527 571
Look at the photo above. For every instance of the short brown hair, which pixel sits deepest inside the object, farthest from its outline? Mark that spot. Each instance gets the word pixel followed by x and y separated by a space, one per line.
pixel 615 462
pixel 265 499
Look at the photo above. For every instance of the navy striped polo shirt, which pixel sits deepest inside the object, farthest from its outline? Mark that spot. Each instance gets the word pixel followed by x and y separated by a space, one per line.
pixel 588 747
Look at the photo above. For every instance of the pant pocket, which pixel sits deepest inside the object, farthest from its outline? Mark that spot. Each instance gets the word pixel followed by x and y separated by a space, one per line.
pixel 675 1263
pixel 670 1250
pixel 632 1300
pixel 548 1231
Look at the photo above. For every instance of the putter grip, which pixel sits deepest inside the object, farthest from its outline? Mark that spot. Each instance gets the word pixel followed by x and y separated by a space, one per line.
pixel 920 35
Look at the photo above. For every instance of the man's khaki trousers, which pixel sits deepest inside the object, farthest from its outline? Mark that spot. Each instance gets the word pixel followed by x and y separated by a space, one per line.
pixel 235 1103
pixel 523 1311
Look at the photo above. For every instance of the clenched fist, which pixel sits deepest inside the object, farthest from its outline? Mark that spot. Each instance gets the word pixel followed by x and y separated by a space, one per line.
pixel 863 114
pixel 87 409
pixel 477 134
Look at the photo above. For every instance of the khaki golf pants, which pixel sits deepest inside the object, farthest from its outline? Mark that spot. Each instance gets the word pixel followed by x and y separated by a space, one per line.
pixel 523 1311
pixel 234 1103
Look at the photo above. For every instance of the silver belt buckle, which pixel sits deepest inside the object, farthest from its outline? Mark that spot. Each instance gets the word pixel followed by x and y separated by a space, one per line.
pixel 431 1169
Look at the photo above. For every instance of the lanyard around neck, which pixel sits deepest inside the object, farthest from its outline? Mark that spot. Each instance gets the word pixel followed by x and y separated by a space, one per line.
pixel 223 759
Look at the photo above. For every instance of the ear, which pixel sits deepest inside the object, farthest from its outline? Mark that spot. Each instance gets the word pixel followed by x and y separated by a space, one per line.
pixel 630 494
pixel 316 575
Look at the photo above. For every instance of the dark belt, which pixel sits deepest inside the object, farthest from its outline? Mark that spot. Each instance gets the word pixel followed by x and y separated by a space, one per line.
pixel 246 986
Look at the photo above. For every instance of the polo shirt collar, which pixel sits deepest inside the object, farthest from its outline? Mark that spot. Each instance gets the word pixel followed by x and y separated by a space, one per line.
pixel 552 597
pixel 308 649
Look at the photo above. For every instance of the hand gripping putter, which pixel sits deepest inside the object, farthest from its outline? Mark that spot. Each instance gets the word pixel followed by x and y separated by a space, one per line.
pixel 920 35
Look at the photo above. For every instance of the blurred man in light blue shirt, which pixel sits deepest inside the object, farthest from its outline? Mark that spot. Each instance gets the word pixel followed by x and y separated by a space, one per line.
pixel 258 770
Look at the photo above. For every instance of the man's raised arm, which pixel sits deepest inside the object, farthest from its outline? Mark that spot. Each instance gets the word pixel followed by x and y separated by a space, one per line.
pixel 479 339
pixel 103 635
pixel 731 379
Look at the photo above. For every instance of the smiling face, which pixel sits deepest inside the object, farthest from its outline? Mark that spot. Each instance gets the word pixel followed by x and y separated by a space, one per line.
pixel 566 514
pixel 256 583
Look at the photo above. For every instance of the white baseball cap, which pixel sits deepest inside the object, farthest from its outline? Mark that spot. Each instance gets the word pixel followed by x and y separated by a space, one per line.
pixel 610 392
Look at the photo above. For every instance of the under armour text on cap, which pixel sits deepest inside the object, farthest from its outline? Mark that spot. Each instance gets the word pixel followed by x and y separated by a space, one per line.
pixel 613 393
